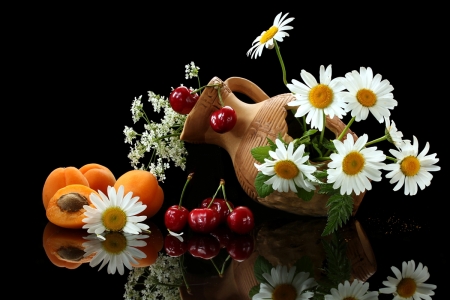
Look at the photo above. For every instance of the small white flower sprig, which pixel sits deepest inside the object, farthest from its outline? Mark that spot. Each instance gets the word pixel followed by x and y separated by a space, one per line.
pixel 343 166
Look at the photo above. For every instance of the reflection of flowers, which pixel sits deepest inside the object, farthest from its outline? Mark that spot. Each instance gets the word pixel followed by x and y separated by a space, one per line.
pixel 357 290
pixel 160 280
pixel 116 249
pixel 114 213
pixel 281 284
pixel 409 283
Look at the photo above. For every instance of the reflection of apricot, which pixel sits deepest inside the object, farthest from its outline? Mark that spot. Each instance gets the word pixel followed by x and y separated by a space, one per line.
pixel 154 245
pixel 145 185
pixel 98 176
pixel 64 246
pixel 59 178
pixel 65 208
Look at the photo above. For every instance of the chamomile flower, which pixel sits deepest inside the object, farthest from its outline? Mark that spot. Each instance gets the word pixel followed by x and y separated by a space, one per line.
pixel 393 135
pixel 282 284
pixel 357 290
pixel 412 169
pixel 353 165
pixel 409 283
pixel 115 249
pixel 288 168
pixel 317 99
pixel 114 212
pixel 266 38
pixel 368 93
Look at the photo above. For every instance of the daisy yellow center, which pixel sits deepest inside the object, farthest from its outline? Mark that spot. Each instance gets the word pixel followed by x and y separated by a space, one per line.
pixel 286 169
pixel 268 34
pixel 410 166
pixel 115 243
pixel 366 97
pixel 406 287
pixel 284 291
pixel 353 163
pixel 114 218
pixel 321 96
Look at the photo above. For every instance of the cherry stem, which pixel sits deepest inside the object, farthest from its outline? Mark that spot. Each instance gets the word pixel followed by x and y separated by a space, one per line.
pixel 220 96
pixel 222 184
pixel 205 86
pixel 217 269
pixel 180 261
pixel 214 197
pixel 184 188
pixel 224 262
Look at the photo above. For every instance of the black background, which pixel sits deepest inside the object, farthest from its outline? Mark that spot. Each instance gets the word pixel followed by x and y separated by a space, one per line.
pixel 82 67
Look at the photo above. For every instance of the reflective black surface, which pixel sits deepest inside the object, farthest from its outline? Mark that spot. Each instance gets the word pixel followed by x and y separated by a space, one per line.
pixel 86 74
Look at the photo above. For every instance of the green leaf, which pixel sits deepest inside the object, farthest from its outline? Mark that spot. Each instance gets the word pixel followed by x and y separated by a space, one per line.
pixel 327 188
pixel 262 265
pixel 259 153
pixel 340 209
pixel 272 144
pixel 253 291
pixel 328 145
pixel 262 189
pixel 309 132
pixel 338 267
pixel 321 174
pixel 304 195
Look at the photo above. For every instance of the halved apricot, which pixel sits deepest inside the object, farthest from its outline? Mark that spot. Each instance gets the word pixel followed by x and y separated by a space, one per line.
pixel 145 185
pixel 59 178
pixel 65 208
pixel 98 176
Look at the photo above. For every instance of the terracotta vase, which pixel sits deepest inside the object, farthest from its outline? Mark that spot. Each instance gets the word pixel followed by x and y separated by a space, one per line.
pixel 265 118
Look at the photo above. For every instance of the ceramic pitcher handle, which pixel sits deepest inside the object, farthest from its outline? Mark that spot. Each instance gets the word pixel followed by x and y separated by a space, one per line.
pixel 246 87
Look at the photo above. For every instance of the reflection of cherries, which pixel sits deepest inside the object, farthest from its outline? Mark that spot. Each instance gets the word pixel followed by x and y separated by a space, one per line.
pixel 182 101
pixel 240 247
pixel 223 234
pixel 241 220
pixel 203 220
pixel 220 206
pixel 223 120
pixel 203 246
pixel 174 247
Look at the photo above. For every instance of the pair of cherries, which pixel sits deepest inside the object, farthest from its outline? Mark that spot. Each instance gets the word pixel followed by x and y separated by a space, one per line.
pixel 207 246
pixel 182 100
pixel 212 212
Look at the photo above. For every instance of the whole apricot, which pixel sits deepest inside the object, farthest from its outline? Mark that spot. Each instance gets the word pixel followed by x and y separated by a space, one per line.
pixel 144 185
pixel 59 178
pixel 65 208
pixel 98 176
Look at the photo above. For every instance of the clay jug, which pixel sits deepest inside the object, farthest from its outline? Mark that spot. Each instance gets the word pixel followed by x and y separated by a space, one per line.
pixel 265 118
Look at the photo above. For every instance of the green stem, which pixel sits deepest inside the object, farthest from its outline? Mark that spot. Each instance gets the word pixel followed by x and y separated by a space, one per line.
pixel 217 269
pixel 220 96
pixel 323 129
pixel 281 61
pixel 346 129
pixel 383 138
pixel 188 288
pixel 214 197
pixel 205 86
pixel 322 158
pixel 184 188
pixel 391 158
pixel 222 184
pixel 223 265
pixel 198 79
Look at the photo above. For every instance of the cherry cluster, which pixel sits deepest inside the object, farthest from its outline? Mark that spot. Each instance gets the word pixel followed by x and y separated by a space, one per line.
pixel 182 100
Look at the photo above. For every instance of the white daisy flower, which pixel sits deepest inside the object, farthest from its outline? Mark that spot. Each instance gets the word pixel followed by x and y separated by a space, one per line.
pixel 353 165
pixel 317 99
pixel 114 213
pixel 409 283
pixel 266 38
pixel 357 290
pixel 283 285
pixel 115 249
pixel 393 135
pixel 412 169
pixel 368 93
pixel 288 168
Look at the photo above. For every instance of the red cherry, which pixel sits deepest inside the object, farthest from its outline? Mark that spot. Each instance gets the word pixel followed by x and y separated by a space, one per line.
pixel 241 220
pixel 223 120
pixel 240 247
pixel 182 101
pixel 176 218
pixel 203 220
pixel 219 205
pixel 174 247
pixel 203 246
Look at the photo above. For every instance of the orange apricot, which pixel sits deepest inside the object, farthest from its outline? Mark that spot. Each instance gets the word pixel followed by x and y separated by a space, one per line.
pixel 64 247
pixel 154 245
pixel 65 208
pixel 98 176
pixel 59 178
pixel 144 185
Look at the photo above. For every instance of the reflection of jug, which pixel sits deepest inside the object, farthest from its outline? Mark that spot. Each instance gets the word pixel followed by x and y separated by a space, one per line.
pixel 266 118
